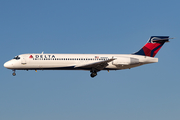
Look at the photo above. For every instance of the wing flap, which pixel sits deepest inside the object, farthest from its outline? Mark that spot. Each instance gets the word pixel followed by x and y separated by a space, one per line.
pixel 97 65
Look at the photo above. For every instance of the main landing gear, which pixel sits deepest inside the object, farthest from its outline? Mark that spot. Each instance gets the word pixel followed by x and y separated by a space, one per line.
pixel 93 73
pixel 14 73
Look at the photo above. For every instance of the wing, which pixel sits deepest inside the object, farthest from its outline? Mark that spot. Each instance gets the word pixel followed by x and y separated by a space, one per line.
pixel 97 65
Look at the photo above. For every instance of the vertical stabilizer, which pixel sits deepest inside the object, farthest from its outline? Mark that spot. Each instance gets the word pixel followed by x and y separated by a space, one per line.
pixel 153 45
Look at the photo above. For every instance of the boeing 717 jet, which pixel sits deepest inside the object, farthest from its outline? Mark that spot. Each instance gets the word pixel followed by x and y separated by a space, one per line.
pixel 90 62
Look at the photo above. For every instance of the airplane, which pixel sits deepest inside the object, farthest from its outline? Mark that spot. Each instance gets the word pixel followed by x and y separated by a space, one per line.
pixel 90 62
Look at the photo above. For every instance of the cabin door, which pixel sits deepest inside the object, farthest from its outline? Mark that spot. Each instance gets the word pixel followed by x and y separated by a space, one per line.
pixel 23 61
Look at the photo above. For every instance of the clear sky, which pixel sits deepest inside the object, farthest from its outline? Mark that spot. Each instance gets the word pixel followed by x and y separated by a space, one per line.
pixel 149 92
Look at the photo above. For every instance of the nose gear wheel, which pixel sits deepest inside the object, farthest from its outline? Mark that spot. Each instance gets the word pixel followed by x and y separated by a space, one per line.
pixel 14 73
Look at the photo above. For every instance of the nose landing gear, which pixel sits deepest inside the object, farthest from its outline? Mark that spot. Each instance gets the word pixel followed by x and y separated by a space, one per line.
pixel 14 73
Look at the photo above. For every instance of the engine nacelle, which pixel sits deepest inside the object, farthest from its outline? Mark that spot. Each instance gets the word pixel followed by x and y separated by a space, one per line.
pixel 125 61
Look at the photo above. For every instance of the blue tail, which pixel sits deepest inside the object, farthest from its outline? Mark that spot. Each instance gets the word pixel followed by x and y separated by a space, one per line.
pixel 153 45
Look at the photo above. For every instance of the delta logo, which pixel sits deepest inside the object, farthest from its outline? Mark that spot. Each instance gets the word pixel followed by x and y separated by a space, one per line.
pixel 30 56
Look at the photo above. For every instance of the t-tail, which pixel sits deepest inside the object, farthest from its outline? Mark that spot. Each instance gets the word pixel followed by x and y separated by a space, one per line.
pixel 153 45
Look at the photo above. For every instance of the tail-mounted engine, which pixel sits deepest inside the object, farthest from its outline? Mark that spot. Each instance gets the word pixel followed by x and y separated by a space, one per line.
pixel 125 61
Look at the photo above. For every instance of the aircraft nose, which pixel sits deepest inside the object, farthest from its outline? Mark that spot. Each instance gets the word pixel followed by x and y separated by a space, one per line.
pixel 8 65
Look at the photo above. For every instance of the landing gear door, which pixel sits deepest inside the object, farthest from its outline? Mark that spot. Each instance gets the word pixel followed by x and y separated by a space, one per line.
pixel 23 61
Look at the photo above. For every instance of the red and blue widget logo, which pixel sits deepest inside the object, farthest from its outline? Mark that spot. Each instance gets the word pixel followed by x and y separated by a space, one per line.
pixel 153 45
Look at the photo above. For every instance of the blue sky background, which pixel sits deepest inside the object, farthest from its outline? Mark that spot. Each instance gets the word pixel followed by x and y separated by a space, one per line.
pixel 149 92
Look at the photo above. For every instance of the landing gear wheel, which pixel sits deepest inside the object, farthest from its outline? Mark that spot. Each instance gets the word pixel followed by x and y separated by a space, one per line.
pixel 14 74
pixel 93 74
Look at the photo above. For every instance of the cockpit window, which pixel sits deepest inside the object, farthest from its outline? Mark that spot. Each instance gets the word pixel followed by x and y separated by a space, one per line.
pixel 16 57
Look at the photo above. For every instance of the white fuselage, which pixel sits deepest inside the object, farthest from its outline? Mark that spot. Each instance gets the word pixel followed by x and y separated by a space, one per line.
pixel 76 61
pixel 91 62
